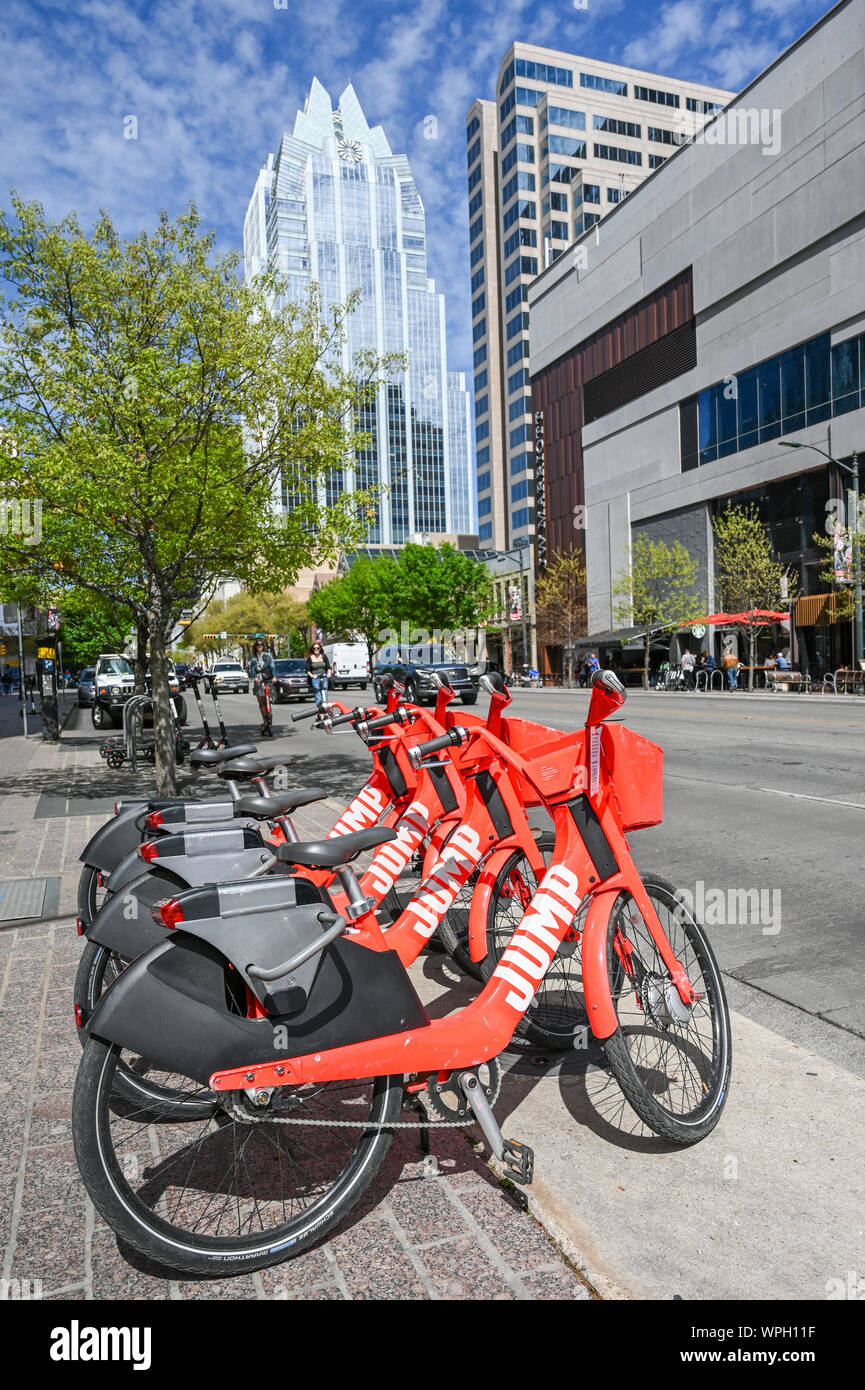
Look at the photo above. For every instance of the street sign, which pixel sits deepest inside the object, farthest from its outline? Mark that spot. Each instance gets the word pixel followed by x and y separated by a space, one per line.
pixel 45 653
pixel 522 543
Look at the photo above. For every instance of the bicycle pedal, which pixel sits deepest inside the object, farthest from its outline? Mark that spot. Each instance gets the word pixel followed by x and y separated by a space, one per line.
pixel 519 1160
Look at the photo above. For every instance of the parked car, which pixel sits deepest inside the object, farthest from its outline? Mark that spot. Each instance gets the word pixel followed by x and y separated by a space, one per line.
pixel 228 676
pixel 114 682
pixel 349 663
pixel 86 687
pixel 292 681
pixel 414 666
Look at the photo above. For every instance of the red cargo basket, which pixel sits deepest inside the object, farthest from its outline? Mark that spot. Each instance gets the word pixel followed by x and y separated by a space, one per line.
pixel 636 768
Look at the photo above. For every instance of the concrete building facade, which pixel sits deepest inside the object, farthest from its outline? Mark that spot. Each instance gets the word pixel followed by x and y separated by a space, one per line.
pixel 720 310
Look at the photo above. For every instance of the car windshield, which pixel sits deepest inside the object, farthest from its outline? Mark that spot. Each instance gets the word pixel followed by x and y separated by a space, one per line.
pixel 228 666
pixel 426 654
pixel 294 667
pixel 115 666
pixel 88 674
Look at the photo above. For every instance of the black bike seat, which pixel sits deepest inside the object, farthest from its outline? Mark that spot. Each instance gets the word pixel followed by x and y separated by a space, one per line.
pixel 213 757
pixel 327 854
pixel 267 764
pixel 266 807
pixel 244 769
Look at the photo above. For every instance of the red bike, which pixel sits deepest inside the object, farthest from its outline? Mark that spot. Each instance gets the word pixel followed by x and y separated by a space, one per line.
pixel 303 1033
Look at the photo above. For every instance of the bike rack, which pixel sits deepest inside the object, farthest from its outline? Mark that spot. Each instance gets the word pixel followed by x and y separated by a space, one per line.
pixel 720 674
pixel 135 703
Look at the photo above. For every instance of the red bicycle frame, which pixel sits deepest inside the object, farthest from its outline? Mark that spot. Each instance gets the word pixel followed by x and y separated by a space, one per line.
pixel 591 859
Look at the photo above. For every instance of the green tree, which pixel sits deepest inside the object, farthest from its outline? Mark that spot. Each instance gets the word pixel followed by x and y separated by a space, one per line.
pixel 750 577
pixel 439 589
pixel 155 404
pixel 560 599
pixel 357 604
pixel 88 626
pixel 658 592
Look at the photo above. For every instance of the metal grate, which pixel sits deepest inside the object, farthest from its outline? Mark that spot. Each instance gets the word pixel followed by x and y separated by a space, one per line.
pixel 28 899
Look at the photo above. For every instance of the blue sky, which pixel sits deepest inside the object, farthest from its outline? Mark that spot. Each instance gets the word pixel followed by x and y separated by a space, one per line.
pixel 213 84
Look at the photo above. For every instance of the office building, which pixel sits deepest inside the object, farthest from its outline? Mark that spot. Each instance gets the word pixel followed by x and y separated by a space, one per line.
pixel 721 312
pixel 336 206
pixel 566 140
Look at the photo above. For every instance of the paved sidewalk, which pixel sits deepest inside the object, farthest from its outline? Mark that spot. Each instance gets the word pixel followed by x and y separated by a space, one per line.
pixel 418 1234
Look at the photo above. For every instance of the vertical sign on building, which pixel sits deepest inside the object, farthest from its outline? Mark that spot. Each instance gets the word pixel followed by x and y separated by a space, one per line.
pixel 540 491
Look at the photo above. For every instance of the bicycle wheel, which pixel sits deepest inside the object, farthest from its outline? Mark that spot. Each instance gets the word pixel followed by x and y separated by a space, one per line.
pixel 672 1060
pixel 556 1017
pixel 135 1079
pixel 453 930
pixel 238 1192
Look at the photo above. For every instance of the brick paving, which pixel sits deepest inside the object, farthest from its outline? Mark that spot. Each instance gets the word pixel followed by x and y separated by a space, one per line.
pixel 424 1231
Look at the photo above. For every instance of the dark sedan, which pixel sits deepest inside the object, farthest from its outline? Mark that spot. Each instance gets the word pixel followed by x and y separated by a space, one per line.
pixel 86 686
pixel 291 680
pixel 414 666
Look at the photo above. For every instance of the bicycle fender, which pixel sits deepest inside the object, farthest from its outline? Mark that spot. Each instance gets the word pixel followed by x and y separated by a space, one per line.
pixel 213 856
pixel 124 922
pixel 171 1006
pixel 596 981
pixel 116 839
pixel 479 910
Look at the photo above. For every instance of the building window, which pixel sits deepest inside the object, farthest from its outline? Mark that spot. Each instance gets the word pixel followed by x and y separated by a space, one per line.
pixel 485 506
pixel 524 488
pixel 521 179
pixel 520 349
pixel 476 202
pixel 568 145
pixel 483 481
pixel 482 405
pixel 616 127
pixel 519 380
pixel 521 265
pixel 560 115
pixel 485 532
pixel 523 517
pixel 520 153
pixel 518 324
pixel 520 462
pixel 559 231
pixel 482 430
pixel 473 153
pixel 803 386
pixel 617 154
pixel 708 108
pixel 659 98
pixel 480 354
pixel 603 84
pixel 562 173
pixel 591 192
pixel 613 195
pixel 517 296
pixel 518 408
pixel 520 435
pixel 541 72
pixel 479 329
pixel 661 136
pixel 520 209
pixel 589 219
pixel 475 229
pixel 479 304
pixel 656 160
pixel 481 380
pixel 523 236
pixel 474 126
pixel 477 279
pixel 520 125
pixel 483 456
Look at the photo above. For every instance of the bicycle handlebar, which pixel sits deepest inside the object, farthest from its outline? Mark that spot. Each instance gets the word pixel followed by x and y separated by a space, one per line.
pixel 351 717
pixel 453 738
pixel 397 716
pixel 312 713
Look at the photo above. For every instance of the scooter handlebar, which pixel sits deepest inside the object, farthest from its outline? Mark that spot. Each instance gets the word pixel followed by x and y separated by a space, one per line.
pixel 313 713
pixel 453 738
pixel 381 721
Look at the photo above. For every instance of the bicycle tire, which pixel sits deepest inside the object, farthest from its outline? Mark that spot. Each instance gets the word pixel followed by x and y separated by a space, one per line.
pixel 89 901
pixel 643 1009
pixel 109 1150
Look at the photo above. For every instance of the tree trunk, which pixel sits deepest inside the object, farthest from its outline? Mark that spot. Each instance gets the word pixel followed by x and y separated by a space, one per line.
pixel 163 726
pixel 647 661
pixel 752 645
pixel 139 663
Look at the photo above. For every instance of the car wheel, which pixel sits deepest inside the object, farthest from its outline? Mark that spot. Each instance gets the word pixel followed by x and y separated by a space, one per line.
pixel 363 685
pixel 469 699
pixel 100 717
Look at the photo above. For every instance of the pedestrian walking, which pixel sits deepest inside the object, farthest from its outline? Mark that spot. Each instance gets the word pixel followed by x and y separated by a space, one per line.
pixel 318 670
pixel 592 665
pixel 261 673
pixel 687 663
pixel 730 663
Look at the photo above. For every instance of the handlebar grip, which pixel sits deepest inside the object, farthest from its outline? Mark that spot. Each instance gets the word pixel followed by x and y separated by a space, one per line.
pixel 312 713
pixel 381 721
pixel 350 718
pixel 453 738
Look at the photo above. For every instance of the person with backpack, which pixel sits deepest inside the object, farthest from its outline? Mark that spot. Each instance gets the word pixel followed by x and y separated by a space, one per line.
pixel 261 673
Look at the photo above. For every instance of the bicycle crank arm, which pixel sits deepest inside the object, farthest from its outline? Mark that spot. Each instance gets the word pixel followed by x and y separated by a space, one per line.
pixel 519 1160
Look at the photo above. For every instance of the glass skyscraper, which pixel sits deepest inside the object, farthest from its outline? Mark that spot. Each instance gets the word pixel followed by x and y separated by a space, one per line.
pixel 338 207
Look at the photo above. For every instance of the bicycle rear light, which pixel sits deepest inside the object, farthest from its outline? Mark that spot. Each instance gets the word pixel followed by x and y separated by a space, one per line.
pixel 171 913
pixel 149 851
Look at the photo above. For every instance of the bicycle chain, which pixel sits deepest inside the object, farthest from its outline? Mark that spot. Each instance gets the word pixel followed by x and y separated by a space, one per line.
pixel 246 1117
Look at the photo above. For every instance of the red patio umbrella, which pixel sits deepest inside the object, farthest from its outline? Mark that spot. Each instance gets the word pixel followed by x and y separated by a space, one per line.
pixel 759 617
pixel 713 620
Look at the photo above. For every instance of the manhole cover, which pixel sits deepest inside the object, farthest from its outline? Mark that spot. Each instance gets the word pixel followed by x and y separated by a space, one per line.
pixel 26 899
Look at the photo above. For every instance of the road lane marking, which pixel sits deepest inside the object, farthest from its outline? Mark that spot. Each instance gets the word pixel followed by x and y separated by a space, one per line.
pixel 770 791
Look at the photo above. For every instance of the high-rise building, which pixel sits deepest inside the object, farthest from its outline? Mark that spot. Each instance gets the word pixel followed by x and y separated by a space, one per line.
pixel 338 207
pixel 564 142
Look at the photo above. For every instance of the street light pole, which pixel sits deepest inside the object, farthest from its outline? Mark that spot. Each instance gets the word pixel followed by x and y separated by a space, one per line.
pixel 853 469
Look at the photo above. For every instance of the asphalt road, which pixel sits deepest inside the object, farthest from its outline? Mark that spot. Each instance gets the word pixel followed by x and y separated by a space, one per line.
pixel 762 795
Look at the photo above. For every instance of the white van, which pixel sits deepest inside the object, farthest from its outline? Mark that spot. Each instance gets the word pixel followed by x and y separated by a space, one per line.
pixel 349 663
